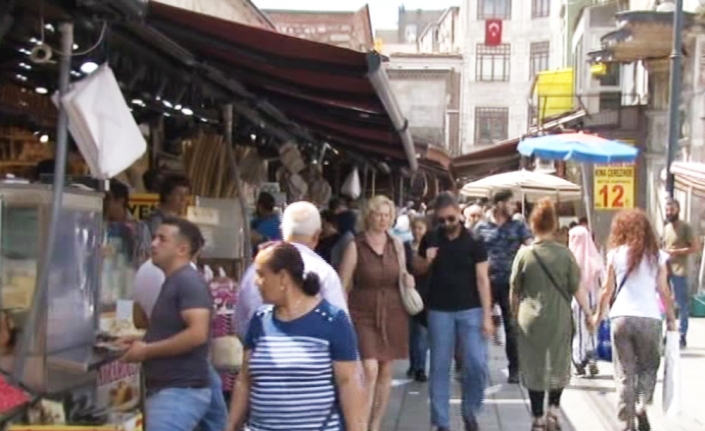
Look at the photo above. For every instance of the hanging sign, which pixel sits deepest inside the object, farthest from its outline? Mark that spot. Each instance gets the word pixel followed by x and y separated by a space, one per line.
pixel 614 186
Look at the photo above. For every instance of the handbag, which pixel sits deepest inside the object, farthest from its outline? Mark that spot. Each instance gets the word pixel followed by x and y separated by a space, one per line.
pixel 410 297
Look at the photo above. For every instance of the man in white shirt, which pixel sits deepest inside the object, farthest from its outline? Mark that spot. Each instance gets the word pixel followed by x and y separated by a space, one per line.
pixel 300 226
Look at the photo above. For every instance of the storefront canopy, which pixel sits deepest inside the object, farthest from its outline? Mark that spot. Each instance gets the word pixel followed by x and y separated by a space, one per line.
pixel 340 95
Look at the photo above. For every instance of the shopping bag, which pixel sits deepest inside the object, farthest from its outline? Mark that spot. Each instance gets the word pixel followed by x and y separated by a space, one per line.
pixel 672 375
pixel 604 341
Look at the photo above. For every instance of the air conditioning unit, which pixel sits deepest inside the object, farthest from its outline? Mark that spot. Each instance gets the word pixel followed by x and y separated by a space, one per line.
pixel 544 166
pixel 126 9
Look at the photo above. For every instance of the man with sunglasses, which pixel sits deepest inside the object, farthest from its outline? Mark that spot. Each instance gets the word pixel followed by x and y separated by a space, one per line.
pixel 502 237
pixel 459 307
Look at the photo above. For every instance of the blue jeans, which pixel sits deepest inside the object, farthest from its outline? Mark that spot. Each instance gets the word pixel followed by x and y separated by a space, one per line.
pixel 418 346
pixel 177 409
pixel 216 416
pixel 444 328
pixel 682 293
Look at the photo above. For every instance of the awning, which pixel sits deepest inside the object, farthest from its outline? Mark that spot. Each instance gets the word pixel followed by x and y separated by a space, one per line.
pixel 341 95
pixel 640 35
pixel 689 176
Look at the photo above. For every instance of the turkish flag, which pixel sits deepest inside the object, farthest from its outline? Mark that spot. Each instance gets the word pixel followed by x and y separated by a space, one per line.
pixel 493 32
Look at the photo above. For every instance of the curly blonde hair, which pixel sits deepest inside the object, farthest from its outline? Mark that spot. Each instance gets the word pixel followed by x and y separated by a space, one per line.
pixel 375 204
pixel 633 229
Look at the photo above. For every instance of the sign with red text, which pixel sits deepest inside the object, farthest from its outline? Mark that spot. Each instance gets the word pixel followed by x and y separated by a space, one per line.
pixel 614 186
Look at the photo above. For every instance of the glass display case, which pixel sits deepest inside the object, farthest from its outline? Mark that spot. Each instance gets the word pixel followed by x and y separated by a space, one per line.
pixel 70 318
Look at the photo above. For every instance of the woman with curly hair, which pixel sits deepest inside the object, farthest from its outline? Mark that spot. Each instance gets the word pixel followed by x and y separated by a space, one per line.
pixel 545 279
pixel 636 277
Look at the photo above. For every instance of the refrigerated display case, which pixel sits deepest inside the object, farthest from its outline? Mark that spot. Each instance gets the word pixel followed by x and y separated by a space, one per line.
pixel 66 332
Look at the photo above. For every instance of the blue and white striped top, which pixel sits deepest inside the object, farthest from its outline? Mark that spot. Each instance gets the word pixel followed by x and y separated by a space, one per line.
pixel 291 369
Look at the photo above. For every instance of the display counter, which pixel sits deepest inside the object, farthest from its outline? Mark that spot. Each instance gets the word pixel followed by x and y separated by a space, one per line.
pixel 72 374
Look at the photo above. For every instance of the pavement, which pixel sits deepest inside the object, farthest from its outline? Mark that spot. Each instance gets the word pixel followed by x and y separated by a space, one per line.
pixel 588 404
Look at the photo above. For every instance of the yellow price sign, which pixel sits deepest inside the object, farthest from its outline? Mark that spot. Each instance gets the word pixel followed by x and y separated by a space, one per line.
pixel 614 186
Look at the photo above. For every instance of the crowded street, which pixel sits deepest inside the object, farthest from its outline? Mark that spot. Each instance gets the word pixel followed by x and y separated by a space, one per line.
pixel 352 215
pixel 588 403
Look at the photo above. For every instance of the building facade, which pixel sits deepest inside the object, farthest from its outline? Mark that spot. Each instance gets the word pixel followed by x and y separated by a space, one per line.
pixel 243 11
pixel 497 80
pixel 352 30
pixel 425 72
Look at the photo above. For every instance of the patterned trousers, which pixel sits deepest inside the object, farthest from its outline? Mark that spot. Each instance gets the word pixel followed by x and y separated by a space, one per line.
pixel 636 355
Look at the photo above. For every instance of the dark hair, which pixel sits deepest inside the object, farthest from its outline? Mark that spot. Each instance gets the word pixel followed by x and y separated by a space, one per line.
pixel 189 231
pixel 266 201
pixel 118 191
pixel 445 200
pixel 346 221
pixel 285 257
pixel 583 220
pixel 673 202
pixel 151 180
pixel 502 196
pixel 543 216
pixel 170 183
pixel 328 216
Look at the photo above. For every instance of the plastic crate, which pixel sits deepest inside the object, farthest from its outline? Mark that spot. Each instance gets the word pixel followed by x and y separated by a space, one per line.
pixel 697 305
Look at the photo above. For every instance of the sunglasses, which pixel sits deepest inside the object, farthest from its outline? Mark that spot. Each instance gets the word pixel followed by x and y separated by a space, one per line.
pixel 448 220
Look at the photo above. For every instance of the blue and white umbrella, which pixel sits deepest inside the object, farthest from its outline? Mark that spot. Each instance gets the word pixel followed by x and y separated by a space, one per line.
pixel 578 147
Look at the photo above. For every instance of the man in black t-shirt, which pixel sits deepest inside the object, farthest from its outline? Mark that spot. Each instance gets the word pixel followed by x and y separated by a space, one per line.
pixel 459 307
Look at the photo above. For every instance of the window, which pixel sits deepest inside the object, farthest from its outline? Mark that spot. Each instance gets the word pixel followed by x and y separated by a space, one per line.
pixel 538 57
pixel 491 125
pixel 612 75
pixel 492 62
pixel 610 100
pixel 487 9
pixel 410 33
pixel 540 8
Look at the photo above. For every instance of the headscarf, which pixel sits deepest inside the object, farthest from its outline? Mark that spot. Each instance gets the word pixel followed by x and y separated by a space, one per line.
pixel 586 254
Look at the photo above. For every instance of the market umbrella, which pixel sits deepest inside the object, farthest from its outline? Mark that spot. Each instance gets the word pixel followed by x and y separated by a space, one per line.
pixel 531 185
pixel 578 147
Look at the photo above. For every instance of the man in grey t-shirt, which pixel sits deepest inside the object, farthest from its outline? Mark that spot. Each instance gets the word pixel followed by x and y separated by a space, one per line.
pixel 174 352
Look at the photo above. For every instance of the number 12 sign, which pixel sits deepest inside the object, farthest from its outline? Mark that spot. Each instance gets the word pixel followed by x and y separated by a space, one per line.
pixel 614 187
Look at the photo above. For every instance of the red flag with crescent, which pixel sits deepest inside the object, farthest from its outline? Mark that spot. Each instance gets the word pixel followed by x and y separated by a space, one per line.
pixel 493 32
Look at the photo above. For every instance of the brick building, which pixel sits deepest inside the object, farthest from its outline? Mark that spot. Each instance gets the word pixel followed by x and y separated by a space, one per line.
pixel 351 30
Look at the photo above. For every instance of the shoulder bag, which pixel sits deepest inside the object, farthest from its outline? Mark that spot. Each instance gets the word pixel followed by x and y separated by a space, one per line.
pixel 555 284
pixel 409 295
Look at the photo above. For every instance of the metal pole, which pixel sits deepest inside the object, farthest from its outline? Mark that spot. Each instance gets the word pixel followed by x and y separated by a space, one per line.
pixel 675 95
pixel 235 172
pixel 36 316
pixel 586 194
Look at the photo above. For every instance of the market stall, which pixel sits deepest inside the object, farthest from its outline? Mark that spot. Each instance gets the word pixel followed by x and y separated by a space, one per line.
pixel 54 302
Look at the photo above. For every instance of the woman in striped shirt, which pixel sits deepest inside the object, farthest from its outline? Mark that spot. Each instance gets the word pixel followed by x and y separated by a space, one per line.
pixel 301 368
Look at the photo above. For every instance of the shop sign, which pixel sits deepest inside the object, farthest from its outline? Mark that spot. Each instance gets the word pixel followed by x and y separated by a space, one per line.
pixel 141 205
pixel 118 386
pixel 614 186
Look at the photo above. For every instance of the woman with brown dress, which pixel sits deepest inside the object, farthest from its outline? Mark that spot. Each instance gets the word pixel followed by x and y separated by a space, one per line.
pixel 370 273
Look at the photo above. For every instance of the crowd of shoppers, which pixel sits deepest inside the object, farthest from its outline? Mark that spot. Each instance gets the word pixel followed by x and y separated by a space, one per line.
pixel 323 321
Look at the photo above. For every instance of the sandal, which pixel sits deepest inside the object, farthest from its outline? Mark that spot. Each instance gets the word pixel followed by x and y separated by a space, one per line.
pixel 552 422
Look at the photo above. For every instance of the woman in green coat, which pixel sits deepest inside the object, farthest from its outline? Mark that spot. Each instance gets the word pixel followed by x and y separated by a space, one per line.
pixel 545 278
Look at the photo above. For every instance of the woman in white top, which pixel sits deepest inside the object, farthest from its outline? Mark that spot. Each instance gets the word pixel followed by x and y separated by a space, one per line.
pixel 636 278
